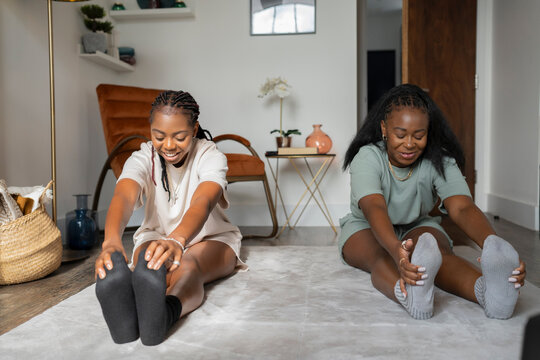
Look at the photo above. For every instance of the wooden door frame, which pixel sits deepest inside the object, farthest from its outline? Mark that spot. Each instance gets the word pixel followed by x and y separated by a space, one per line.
pixel 484 64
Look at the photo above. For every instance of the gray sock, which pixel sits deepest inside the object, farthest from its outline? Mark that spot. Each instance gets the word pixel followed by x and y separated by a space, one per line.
pixel 419 300
pixel 493 291
pixel 479 290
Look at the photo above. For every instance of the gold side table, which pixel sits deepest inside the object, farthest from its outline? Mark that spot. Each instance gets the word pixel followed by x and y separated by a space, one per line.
pixel 312 185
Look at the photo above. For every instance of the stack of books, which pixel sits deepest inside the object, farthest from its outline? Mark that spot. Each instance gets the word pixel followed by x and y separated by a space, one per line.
pixel 297 151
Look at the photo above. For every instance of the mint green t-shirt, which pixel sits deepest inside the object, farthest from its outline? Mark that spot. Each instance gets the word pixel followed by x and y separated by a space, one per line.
pixel 407 201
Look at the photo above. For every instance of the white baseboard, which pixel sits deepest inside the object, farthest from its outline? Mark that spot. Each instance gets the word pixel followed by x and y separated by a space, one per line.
pixel 519 213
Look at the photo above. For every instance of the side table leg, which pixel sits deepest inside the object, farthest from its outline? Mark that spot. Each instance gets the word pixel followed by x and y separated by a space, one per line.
pixel 277 192
pixel 325 165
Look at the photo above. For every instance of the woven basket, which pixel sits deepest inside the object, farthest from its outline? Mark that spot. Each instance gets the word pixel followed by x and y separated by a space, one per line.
pixel 30 248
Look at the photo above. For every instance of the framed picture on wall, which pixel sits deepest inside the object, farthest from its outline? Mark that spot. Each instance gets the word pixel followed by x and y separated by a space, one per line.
pixel 282 17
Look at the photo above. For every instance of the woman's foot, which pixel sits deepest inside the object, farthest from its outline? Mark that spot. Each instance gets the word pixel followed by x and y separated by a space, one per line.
pixel 117 301
pixel 156 311
pixel 493 291
pixel 419 299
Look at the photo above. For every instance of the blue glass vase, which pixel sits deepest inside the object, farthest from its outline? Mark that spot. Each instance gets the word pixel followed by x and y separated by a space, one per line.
pixel 81 229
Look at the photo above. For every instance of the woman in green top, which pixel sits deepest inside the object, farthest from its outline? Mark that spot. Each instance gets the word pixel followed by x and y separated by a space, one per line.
pixel 403 159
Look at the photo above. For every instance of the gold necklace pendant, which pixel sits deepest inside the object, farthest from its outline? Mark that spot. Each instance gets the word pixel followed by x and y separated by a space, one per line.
pixel 397 177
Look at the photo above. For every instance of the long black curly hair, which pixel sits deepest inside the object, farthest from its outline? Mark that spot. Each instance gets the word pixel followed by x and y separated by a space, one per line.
pixel 441 141
pixel 174 102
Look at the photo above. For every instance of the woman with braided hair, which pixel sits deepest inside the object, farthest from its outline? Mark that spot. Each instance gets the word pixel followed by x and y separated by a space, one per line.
pixel 185 239
pixel 401 161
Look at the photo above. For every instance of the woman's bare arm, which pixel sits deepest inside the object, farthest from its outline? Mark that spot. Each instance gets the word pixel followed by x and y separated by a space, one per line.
pixel 126 193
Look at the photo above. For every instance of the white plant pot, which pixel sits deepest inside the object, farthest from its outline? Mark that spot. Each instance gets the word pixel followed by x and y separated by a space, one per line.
pixel 94 41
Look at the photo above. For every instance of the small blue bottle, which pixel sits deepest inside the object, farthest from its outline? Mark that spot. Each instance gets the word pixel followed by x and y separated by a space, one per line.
pixel 82 228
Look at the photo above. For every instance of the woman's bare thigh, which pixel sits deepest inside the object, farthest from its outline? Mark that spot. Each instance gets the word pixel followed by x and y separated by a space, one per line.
pixel 362 250
pixel 208 259
pixel 442 240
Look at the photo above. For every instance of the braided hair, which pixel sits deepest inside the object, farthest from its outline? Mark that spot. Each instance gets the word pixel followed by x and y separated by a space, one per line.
pixel 441 140
pixel 175 102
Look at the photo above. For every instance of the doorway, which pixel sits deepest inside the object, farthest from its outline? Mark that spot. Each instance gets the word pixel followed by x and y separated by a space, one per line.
pixel 381 74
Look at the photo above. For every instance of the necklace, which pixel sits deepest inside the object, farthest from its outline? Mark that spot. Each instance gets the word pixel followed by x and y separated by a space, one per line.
pixel 174 195
pixel 397 177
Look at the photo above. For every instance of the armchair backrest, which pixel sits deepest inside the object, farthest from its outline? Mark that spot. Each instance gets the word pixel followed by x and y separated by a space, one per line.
pixel 124 112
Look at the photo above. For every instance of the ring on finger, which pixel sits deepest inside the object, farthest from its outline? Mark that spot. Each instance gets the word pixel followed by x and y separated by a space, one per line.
pixel 401 261
pixel 403 244
pixel 176 262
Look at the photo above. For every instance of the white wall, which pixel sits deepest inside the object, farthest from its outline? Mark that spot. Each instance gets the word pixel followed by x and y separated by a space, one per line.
pixel 24 101
pixel 514 146
pixel 212 56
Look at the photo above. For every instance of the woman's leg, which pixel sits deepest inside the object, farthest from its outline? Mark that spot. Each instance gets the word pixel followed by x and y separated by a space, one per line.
pixel 156 313
pixel 115 295
pixel 203 262
pixel 363 251
pixel 162 298
pixel 491 288
pixel 456 275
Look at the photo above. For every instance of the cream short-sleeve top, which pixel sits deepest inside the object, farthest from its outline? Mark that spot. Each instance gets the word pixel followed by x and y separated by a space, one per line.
pixel 164 211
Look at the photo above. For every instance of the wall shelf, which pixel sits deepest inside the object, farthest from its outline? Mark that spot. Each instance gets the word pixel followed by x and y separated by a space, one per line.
pixel 107 60
pixel 140 14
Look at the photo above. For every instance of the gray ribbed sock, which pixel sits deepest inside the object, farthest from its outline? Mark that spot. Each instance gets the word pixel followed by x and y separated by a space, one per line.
pixel 419 300
pixel 479 290
pixel 493 291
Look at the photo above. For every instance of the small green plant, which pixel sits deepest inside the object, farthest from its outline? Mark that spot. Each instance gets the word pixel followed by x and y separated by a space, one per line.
pixel 91 15
pixel 287 133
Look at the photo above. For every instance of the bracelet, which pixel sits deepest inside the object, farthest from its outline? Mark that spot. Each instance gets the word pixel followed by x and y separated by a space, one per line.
pixel 178 242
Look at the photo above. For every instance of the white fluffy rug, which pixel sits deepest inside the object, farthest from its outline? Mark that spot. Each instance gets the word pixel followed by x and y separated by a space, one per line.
pixel 295 302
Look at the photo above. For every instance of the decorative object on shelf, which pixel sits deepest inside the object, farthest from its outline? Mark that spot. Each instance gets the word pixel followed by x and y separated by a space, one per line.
pixel 81 226
pixel 319 139
pixel 112 62
pixel 166 3
pixel 118 6
pixel 96 40
pixel 279 87
pixel 127 54
pixel 149 4
pixel 179 4
pixel 285 140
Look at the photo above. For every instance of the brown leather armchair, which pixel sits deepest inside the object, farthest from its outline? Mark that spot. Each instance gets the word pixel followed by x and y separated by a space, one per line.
pixel 245 167
pixel 125 111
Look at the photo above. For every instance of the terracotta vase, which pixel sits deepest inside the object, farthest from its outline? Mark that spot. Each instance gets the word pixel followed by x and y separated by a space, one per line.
pixel 319 139
pixel 283 141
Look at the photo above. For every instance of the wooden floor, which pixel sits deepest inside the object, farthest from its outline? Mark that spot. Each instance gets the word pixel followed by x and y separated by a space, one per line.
pixel 19 303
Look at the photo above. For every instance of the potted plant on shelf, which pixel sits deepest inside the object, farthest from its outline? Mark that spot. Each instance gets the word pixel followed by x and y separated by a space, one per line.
pixel 280 87
pixel 285 140
pixel 96 40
